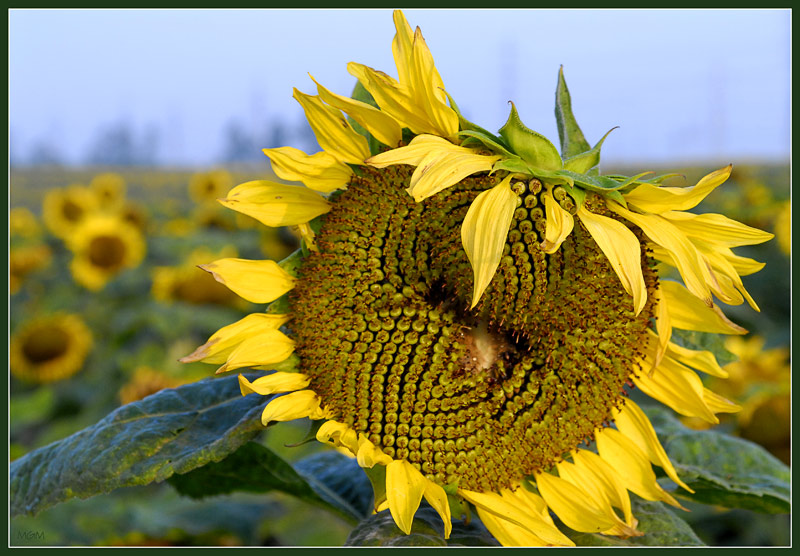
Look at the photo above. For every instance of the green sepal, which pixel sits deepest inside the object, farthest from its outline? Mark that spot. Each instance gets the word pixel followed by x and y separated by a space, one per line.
pixel 577 194
pixel 600 184
pixel 280 306
pixel 569 133
pixel 487 140
pixel 311 433
pixel 514 165
pixel 291 263
pixel 289 365
pixel 361 94
pixel 533 147
pixel 583 162
pixel 377 477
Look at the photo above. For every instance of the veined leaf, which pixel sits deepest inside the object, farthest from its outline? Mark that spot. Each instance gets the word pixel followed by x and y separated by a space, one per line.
pixel 172 431
pixel 569 133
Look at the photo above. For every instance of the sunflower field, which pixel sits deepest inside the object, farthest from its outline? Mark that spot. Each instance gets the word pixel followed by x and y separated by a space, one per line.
pixel 425 334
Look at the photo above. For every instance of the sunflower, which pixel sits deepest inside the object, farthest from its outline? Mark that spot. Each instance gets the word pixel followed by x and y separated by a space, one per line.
pixel 63 209
pixel 189 284
pixel 467 309
pixel 104 245
pixel 22 223
pixel 207 187
pixel 783 228
pixel 109 189
pixel 24 260
pixel 49 348
pixel 144 382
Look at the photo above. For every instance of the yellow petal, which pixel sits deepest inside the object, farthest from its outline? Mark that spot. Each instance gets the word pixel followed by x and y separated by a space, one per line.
pixel 719 404
pixel 413 153
pixel 663 326
pixel 404 489
pixel 632 465
pixel 678 387
pixel 651 198
pixel 428 89
pixel 508 533
pixel 484 232
pixel 699 360
pixel 726 271
pixel 332 130
pixel 531 521
pixel 559 223
pixel 296 405
pixel 717 229
pixel 621 248
pixel 402 44
pixel 274 383
pixel 275 204
pixel 687 312
pixel 256 281
pixel 573 505
pixel 598 476
pixel 222 343
pixel 368 454
pixel 634 424
pixel 320 171
pixel 338 434
pixel 265 348
pixel 689 261
pixel 379 124
pixel 437 498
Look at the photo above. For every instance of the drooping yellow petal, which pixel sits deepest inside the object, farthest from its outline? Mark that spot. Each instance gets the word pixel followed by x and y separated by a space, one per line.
pixel 402 45
pixel 268 347
pixel 719 404
pixel 634 424
pixel 573 505
pixel 687 312
pixel 699 360
pixel 726 271
pixel 484 231
pixel 621 248
pixel 559 223
pixel 508 533
pixel 368 454
pixel 439 163
pixel 428 90
pixel 632 465
pixel 437 498
pixel 531 521
pixel 678 387
pixel 405 486
pixel 717 229
pixel 338 434
pixel 222 343
pixel 689 261
pixel 274 383
pixel 320 171
pixel 663 326
pixel 296 405
pixel 256 281
pixel 598 474
pixel 276 204
pixel 379 124
pixel 651 198
pixel 332 130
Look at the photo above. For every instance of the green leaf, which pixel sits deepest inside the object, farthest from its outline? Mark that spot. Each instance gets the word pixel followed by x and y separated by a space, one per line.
pixel 427 530
pixel 569 133
pixel 704 341
pixel 534 148
pixel 583 162
pixel 660 526
pixel 341 475
pixel 722 469
pixel 600 184
pixel 362 94
pixel 172 431
pixel 255 468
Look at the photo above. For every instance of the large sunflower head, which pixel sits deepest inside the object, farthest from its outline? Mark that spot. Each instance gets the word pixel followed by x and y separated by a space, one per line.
pixel 49 348
pixel 63 209
pixel 469 310
pixel 103 245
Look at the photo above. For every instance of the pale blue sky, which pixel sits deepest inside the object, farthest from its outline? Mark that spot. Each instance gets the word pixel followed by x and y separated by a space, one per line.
pixel 683 85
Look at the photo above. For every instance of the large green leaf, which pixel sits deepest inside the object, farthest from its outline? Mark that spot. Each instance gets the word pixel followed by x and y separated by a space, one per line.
pixel 427 530
pixel 255 468
pixel 172 431
pixel 722 469
pixel 341 475
pixel 660 526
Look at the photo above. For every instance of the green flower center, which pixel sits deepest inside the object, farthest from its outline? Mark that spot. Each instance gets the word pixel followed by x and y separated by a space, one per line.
pixel 482 397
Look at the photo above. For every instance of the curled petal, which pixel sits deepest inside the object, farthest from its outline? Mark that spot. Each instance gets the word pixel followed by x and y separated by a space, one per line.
pixel 320 171
pixel 256 281
pixel 654 199
pixel 404 489
pixel 276 204
pixel 266 348
pixel 717 229
pixel 687 312
pixel 484 232
pixel 559 224
pixel 296 405
pixel 222 343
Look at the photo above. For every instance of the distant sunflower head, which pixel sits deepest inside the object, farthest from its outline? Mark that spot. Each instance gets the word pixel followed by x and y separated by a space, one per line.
pixel 209 186
pixel 109 189
pixel 144 382
pixel 22 223
pixel 49 348
pixel 25 260
pixel 136 214
pixel 104 245
pixel 65 208
pixel 468 309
